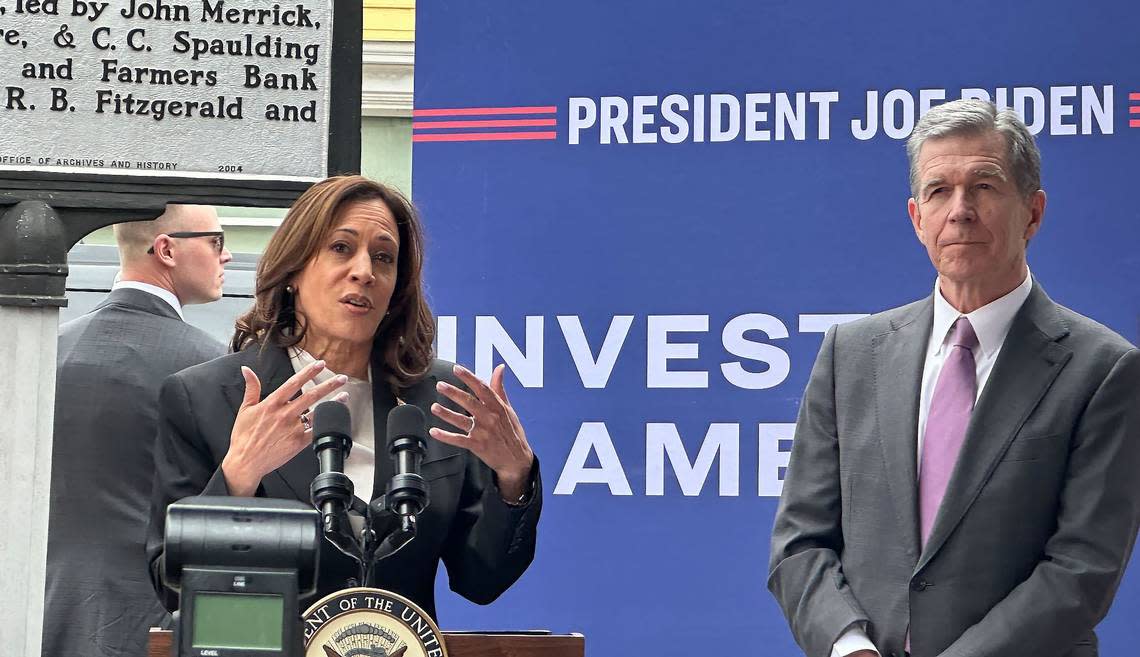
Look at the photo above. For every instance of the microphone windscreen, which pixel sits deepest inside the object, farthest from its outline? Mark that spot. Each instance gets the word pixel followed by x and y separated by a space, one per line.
pixel 405 420
pixel 331 418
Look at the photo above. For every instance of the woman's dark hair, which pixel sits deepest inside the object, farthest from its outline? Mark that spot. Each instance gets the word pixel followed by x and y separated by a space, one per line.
pixel 403 341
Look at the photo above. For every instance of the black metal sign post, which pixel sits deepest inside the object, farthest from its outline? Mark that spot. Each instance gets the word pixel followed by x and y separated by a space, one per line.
pixel 111 110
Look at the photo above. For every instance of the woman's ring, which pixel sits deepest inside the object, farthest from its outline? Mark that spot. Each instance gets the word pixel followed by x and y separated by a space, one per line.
pixel 469 431
pixel 305 421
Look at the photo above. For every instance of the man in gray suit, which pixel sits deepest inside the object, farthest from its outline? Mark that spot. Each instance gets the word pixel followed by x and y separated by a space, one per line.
pixel 99 600
pixel 963 480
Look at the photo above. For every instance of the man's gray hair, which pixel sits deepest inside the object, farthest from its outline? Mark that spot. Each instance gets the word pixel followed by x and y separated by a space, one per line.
pixel 974 116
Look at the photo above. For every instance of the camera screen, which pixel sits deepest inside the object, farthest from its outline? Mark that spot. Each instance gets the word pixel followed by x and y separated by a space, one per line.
pixel 233 620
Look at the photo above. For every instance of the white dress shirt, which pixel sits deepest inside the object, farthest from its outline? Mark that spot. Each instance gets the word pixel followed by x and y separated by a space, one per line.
pixel 991 324
pixel 160 292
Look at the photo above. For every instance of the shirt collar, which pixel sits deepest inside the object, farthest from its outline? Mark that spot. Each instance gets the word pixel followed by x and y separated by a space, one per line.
pixel 160 292
pixel 991 322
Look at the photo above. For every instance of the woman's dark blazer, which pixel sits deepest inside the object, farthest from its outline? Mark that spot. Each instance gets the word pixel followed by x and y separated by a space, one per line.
pixel 484 543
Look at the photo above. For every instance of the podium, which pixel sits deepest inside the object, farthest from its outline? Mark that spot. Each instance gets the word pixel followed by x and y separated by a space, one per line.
pixel 459 644
pixel 240 564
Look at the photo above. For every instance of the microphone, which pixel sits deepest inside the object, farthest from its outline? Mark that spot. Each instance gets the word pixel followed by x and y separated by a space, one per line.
pixel 331 490
pixel 407 492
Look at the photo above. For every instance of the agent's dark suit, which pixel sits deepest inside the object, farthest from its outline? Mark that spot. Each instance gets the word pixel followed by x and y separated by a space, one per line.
pixel 112 362
pixel 485 544
pixel 1039 516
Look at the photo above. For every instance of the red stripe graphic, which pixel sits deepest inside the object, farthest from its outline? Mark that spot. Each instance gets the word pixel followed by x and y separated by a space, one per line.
pixel 484 136
pixel 491 123
pixel 1134 96
pixel 1135 109
pixel 1132 123
pixel 489 111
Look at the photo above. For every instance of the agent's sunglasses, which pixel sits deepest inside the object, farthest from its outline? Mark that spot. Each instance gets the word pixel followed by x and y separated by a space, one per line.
pixel 219 238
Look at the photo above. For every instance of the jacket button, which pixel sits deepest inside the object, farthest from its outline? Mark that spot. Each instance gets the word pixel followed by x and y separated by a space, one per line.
pixel 919 585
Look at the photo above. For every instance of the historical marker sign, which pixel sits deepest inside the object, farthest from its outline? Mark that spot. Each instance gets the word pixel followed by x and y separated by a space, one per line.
pixel 230 94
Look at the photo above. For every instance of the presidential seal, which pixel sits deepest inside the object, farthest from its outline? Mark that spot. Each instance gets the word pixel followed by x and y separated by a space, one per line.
pixel 365 622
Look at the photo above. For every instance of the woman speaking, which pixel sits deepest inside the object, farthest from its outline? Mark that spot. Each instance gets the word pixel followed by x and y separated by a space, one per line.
pixel 339 313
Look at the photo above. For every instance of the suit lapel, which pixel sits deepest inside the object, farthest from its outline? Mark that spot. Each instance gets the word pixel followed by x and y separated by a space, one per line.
pixel 899 355
pixel 423 394
pixel 273 369
pixel 420 394
pixel 1029 361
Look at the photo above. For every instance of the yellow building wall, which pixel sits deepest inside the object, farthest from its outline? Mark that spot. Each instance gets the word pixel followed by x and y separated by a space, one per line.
pixel 389 20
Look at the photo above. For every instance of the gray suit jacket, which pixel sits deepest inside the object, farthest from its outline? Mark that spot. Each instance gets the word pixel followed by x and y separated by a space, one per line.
pixel 1039 516
pixel 112 362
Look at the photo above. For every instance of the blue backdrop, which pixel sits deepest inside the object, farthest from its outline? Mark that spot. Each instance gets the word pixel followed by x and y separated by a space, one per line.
pixel 653 245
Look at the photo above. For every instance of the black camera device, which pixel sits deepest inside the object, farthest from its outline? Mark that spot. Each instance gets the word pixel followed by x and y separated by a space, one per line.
pixel 240 565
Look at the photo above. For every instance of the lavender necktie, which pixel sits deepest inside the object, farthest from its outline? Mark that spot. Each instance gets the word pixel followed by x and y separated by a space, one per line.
pixel 946 422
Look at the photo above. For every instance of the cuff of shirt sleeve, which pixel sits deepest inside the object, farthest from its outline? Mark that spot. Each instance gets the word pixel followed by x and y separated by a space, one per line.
pixel 851 641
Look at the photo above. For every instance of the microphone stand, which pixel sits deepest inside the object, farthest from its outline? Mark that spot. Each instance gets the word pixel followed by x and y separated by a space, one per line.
pixel 405 498
pixel 394 533
pixel 391 519
pixel 385 532
pixel 336 487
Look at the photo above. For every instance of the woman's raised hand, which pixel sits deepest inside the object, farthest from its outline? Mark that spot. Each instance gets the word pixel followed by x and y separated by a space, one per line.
pixel 492 432
pixel 270 432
